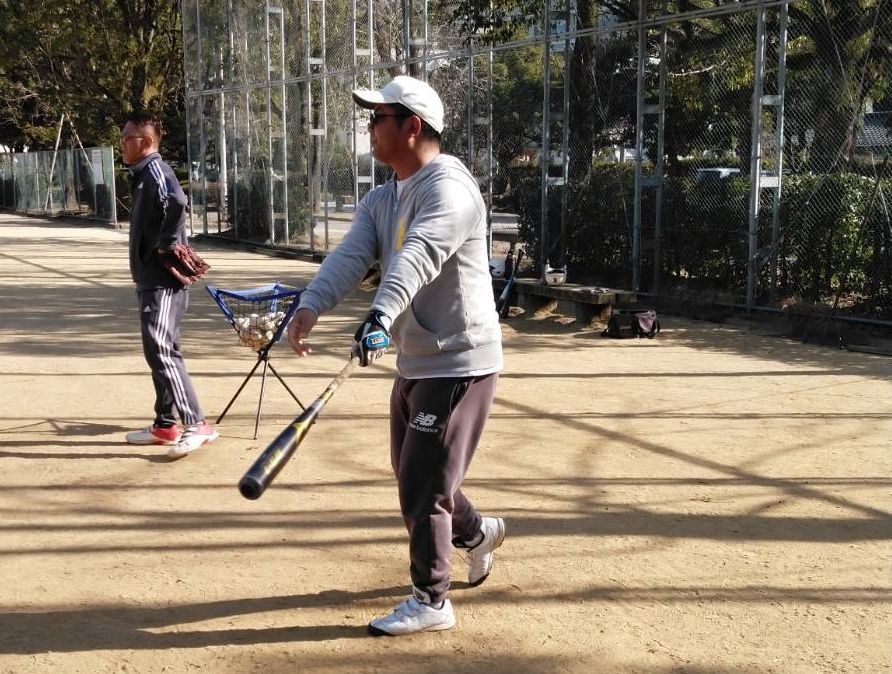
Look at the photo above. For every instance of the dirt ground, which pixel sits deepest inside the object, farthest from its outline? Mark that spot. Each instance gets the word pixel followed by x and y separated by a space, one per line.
pixel 716 500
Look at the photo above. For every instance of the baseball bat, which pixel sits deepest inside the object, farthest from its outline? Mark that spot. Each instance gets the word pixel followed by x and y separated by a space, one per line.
pixel 262 472
pixel 503 304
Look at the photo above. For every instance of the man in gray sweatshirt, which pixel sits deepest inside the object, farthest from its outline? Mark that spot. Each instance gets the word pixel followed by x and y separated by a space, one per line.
pixel 427 230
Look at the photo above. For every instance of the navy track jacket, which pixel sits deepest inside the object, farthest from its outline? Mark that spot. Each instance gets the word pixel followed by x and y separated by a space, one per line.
pixel 157 220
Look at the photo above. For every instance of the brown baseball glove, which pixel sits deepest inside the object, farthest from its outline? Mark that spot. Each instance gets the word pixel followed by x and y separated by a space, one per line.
pixel 372 278
pixel 184 264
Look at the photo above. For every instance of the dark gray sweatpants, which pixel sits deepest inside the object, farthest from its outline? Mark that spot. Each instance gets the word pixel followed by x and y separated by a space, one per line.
pixel 435 425
pixel 160 311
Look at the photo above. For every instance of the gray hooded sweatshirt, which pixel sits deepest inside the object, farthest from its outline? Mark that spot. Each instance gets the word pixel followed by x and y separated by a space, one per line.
pixel 435 281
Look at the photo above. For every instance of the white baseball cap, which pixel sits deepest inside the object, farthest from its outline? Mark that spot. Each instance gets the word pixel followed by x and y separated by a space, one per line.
pixel 416 95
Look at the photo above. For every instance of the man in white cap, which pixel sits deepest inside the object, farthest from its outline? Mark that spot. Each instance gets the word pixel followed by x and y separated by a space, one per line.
pixel 427 230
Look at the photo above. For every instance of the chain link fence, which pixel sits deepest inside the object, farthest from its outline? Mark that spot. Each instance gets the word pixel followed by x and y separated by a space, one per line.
pixel 75 183
pixel 728 150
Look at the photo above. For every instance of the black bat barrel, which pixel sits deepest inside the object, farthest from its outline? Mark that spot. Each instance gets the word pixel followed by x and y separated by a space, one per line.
pixel 261 473
pixel 264 470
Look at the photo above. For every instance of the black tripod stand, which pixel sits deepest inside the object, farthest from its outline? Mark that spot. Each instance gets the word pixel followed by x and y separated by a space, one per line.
pixel 262 357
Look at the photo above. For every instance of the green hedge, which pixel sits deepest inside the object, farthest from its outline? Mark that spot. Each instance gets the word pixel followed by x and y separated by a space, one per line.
pixel 824 243
pixel 704 233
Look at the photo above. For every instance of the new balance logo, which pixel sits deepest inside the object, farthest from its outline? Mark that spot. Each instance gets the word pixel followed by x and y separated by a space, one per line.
pixel 423 419
pixel 421 595
pixel 424 423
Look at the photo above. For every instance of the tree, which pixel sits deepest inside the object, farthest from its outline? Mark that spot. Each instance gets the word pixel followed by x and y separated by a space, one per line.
pixel 596 106
pixel 94 60
pixel 840 57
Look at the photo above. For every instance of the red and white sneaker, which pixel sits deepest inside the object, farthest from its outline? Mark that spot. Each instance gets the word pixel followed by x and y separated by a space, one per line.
pixel 154 435
pixel 192 438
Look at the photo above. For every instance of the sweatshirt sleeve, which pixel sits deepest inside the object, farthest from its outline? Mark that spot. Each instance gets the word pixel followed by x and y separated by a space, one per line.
pixel 444 220
pixel 344 268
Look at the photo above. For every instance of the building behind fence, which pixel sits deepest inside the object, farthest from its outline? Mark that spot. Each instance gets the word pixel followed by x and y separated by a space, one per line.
pixel 735 150
pixel 74 183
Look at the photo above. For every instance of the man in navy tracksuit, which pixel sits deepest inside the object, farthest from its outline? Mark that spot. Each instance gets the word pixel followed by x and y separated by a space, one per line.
pixel 157 222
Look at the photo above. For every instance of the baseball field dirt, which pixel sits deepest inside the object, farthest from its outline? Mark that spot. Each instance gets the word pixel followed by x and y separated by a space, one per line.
pixel 713 501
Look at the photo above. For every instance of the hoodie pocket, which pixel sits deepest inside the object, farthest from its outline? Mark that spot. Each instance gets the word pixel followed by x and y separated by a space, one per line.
pixel 412 337
pixel 475 335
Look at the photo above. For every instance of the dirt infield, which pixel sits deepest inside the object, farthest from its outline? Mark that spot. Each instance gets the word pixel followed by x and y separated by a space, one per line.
pixel 713 501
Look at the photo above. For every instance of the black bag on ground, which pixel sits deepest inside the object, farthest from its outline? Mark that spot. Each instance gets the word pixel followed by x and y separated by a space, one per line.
pixel 624 323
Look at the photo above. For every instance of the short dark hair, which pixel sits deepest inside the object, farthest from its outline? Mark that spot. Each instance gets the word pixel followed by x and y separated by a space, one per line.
pixel 143 118
pixel 427 131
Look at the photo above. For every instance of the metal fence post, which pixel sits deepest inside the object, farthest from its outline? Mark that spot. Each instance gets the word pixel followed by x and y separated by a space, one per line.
pixel 407 38
pixel 187 95
pixel 639 148
pixel 659 168
pixel 546 139
pixel 755 160
pixel 112 212
pixel 779 147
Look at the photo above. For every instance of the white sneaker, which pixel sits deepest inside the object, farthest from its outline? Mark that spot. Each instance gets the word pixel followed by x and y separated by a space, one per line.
pixel 413 616
pixel 480 556
pixel 192 438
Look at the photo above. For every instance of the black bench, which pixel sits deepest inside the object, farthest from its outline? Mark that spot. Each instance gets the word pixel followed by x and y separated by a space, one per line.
pixel 582 302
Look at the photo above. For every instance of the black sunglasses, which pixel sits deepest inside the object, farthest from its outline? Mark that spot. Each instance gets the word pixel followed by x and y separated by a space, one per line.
pixel 375 117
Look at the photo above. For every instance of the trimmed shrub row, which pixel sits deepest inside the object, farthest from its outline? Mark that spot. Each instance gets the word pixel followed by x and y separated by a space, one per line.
pixel 824 240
